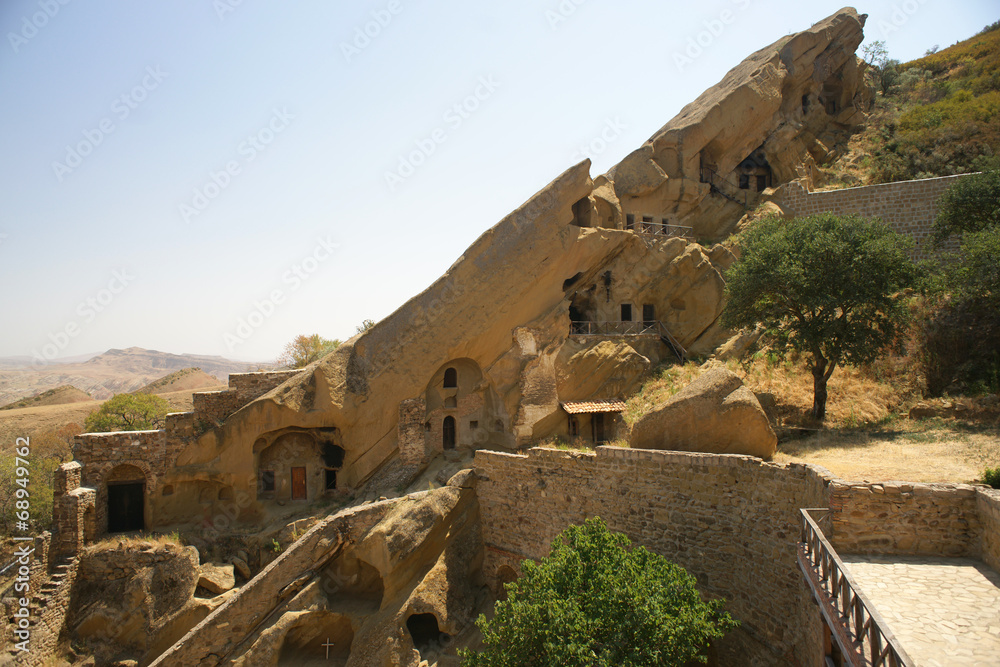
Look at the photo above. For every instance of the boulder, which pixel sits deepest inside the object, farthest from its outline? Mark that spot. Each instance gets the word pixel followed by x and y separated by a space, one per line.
pixel 714 414
pixel 241 567
pixel 216 578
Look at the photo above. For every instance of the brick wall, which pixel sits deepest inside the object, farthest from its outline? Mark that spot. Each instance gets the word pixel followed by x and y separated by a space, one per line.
pixel 905 518
pixel 732 521
pixel 908 207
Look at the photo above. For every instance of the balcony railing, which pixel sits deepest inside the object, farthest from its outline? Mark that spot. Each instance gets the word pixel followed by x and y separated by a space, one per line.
pixel 641 328
pixel 661 230
pixel 862 635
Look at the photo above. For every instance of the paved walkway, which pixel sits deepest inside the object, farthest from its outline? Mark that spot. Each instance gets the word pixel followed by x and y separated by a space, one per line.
pixel 944 611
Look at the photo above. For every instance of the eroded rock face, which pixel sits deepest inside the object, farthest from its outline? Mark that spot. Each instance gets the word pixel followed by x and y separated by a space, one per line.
pixel 785 108
pixel 562 300
pixel 715 414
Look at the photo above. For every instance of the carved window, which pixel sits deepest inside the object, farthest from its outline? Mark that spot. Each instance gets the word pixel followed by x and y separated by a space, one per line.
pixel 451 379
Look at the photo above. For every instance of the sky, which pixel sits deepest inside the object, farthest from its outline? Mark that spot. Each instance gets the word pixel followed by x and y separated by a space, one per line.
pixel 219 176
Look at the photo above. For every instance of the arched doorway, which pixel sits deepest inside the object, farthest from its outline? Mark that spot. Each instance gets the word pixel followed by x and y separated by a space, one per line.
pixel 448 432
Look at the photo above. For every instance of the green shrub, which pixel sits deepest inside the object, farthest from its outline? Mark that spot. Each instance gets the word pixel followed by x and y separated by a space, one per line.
pixel 991 477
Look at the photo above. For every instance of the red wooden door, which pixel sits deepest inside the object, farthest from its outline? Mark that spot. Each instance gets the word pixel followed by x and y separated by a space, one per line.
pixel 298 483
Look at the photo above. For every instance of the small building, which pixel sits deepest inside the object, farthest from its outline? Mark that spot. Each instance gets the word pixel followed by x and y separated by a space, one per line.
pixel 598 421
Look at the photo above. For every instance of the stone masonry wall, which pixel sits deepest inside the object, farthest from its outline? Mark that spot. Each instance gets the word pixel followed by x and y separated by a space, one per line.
pixel 908 207
pixel 732 521
pixel 411 432
pixel 905 518
pixel 152 452
pixel 214 407
pixel 250 386
pixel 988 504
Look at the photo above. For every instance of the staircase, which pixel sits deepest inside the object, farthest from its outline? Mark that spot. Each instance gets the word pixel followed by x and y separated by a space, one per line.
pixel 47 614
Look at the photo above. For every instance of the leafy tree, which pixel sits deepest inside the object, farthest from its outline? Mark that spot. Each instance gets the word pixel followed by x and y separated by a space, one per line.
pixel 972 204
pixel 304 350
pixel 594 601
pixel 825 286
pixel 128 412
pixel 883 71
pixel 960 346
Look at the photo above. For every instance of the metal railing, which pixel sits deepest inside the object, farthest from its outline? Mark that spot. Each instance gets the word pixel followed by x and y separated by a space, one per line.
pixel 614 328
pixel 861 633
pixel 640 328
pixel 661 229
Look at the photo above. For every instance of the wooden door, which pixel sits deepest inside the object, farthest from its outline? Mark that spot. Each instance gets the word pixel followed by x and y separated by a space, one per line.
pixel 298 483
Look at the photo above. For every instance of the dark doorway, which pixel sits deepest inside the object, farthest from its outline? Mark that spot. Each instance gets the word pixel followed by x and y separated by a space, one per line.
pixel 331 479
pixel 629 221
pixel 425 632
pixel 648 315
pixel 597 423
pixel 448 433
pixel 744 181
pixel 761 183
pixel 298 484
pixel 626 312
pixel 125 507
pixel 450 379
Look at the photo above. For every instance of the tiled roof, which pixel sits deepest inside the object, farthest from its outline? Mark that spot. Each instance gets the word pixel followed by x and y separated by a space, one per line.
pixel 605 405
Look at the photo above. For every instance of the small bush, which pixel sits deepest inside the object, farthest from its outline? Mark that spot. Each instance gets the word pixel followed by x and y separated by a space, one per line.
pixel 991 477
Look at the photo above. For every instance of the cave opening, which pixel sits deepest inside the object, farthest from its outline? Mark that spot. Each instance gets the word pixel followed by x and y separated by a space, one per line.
pixel 425 632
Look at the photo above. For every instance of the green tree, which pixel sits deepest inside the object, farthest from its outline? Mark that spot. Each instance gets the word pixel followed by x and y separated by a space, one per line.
pixel 364 326
pixel 594 601
pixel 303 350
pixel 960 346
pixel 826 286
pixel 972 204
pixel 128 412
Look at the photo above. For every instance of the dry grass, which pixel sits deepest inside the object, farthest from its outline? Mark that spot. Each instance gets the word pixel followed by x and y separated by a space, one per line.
pixel 137 541
pixel 916 451
pixel 866 434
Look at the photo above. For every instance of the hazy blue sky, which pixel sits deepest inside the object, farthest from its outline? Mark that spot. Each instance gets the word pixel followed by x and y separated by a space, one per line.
pixel 171 168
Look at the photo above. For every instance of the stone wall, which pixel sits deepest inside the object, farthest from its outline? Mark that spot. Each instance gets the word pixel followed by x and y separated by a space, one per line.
pixel 250 386
pixel 411 433
pixel 154 453
pixel 988 504
pixel 908 207
pixel 905 518
pixel 213 407
pixel 732 521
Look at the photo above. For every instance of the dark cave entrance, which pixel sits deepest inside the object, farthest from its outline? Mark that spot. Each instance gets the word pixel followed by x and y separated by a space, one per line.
pixel 426 633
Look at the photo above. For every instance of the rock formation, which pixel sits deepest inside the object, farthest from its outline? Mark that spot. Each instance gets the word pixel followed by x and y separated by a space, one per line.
pixel 570 299
pixel 715 414
pixel 771 119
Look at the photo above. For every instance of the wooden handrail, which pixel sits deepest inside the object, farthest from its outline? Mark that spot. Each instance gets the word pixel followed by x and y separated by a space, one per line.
pixel 866 640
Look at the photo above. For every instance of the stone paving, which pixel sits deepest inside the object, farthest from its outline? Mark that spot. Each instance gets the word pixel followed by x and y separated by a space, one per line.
pixel 945 612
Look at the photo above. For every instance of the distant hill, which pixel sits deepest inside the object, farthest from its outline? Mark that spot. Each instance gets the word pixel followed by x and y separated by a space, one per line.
pixel 188 379
pixel 58 396
pixel 113 372
pixel 939 117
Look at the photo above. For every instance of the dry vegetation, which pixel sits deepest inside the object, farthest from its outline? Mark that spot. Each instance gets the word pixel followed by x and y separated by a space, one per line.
pixel 867 433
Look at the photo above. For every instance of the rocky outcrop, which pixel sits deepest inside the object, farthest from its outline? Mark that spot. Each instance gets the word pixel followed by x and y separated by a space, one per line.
pixel 782 110
pixel 714 414
pixel 216 579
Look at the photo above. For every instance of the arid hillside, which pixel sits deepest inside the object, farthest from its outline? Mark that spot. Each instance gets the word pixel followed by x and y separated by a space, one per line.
pixel 188 379
pixel 57 396
pixel 114 372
